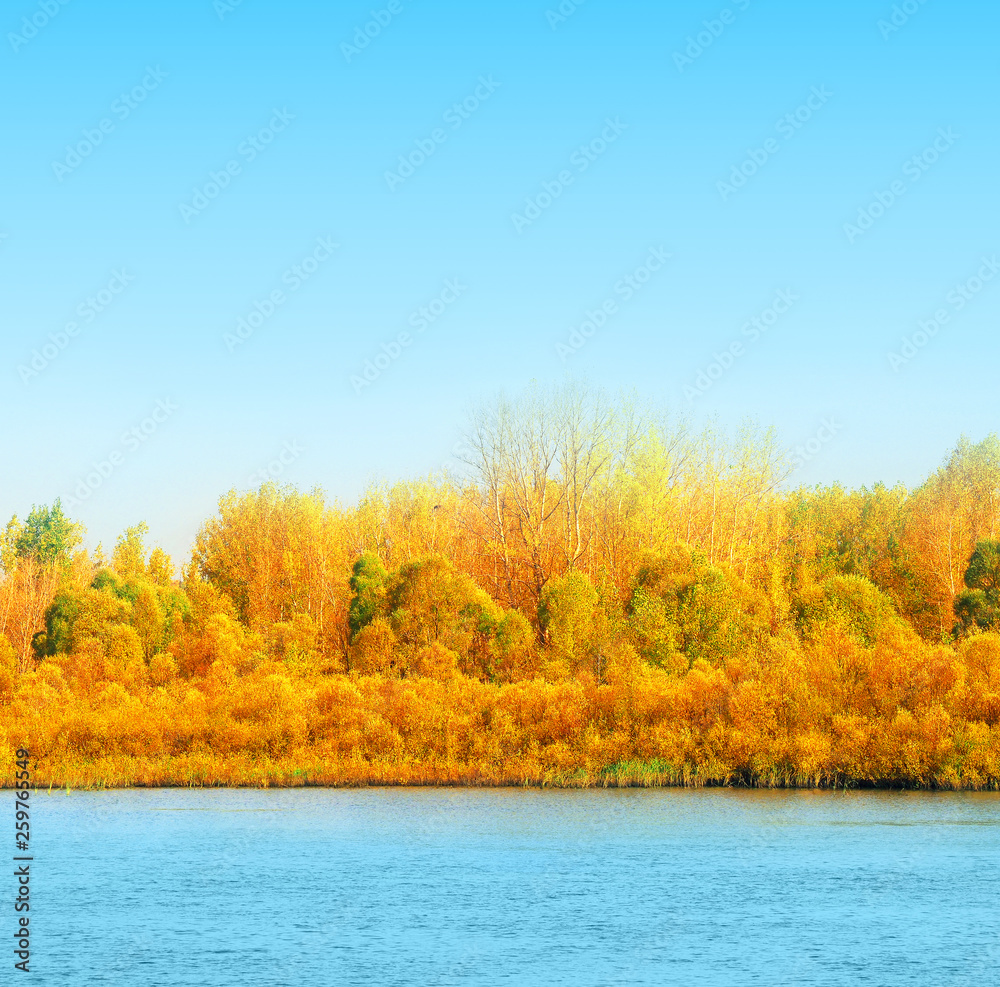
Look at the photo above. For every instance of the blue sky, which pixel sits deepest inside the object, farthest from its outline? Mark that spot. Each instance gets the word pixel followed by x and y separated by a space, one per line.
pixel 167 168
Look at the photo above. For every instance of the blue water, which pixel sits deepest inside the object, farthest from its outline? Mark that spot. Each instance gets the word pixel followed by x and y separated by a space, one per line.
pixel 453 886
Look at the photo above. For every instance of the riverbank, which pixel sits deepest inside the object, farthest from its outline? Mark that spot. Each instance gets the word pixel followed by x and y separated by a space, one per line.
pixel 205 771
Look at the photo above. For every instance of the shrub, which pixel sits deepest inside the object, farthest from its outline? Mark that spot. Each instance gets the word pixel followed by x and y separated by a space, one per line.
pixel 566 612
pixel 435 661
pixel 513 655
pixel 374 650
pixel 430 601
pixel 682 605
pixel 853 604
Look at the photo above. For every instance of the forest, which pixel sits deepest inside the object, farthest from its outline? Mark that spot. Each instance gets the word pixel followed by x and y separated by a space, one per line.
pixel 600 594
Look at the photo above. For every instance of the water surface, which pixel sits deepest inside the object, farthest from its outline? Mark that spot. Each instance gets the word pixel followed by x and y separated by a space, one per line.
pixel 458 886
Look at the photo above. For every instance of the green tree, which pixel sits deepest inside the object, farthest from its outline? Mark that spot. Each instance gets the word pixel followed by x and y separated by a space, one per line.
pixel 368 579
pixel 57 638
pixel 984 569
pixel 978 605
pixel 47 536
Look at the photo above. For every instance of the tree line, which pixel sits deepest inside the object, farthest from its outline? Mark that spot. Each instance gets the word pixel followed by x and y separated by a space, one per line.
pixel 599 592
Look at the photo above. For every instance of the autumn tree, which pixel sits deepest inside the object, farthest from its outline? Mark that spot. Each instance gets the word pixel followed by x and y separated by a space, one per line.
pixel 548 467
pixel 37 556
pixel 853 604
pixel 276 552
pixel 946 516
pixel 429 601
pixel 566 617
pixel 681 605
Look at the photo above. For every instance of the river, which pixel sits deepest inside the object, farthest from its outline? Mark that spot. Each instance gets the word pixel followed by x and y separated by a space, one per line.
pixel 483 886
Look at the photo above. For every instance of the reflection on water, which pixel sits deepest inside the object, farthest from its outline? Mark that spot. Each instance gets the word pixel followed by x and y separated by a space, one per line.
pixel 457 886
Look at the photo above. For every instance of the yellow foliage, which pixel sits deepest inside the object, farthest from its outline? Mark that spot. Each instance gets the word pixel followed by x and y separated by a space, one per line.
pixel 375 650
pixel 162 668
pixel 8 669
pixel 435 661
pixel 668 617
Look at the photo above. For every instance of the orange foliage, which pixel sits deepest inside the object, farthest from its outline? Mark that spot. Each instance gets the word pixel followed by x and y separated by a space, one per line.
pixel 668 617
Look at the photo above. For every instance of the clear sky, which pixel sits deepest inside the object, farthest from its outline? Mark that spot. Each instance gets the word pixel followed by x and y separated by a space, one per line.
pixel 828 169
